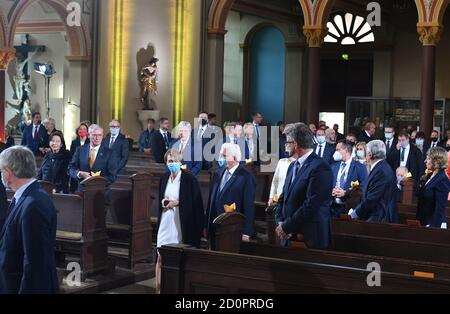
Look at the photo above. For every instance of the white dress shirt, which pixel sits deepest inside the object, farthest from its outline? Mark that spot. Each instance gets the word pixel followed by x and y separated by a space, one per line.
pixel 18 194
pixel 318 149
pixel 407 149
pixel 279 177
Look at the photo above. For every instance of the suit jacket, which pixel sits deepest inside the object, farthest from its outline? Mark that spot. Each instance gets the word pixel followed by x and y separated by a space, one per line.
pixel 339 137
pixel 414 163
pixel 192 215
pixel 432 200
pixel 3 205
pixel 34 144
pixel 376 204
pixel 208 136
pixel 304 207
pixel 328 152
pixel 245 150
pixel 77 143
pixel 363 137
pixel 393 146
pixel 159 147
pixel 356 172
pixel 190 158
pixel 121 150
pixel 145 140
pixel 54 170
pixel 105 162
pixel 240 189
pixel 27 245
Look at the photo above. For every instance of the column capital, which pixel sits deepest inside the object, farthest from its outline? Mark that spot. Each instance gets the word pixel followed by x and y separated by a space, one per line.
pixel 429 33
pixel 315 36
pixel 6 56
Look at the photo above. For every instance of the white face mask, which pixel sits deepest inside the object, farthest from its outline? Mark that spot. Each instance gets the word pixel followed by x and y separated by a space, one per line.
pixel 4 181
pixel 337 156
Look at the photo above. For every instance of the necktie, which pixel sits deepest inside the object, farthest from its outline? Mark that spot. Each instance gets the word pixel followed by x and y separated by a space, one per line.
pixel 35 132
pixel 200 134
pixel 181 147
pixel 342 178
pixel 225 180
pixel 92 158
pixel 403 155
pixel 320 151
pixel 112 142
pixel 11 206
pixel 235 141
pixel 257 130
pixel 166 140
pixel 296 169
pixel 388 145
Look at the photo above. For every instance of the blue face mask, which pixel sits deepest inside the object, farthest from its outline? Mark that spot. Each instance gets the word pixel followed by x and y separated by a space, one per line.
pixel 321 139
pixel 114 131
pixel 419 142
pixel 222 162
pixel 388 136
pixel 360 154
pixel 174 167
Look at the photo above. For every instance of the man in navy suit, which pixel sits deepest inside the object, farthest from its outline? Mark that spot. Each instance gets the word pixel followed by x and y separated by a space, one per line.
pixel 90 159
pixel 377 200
pixel 322 148
pixel 304 208
pixel 202 135
pixel 161 140
pixel 231 184
pixel 118 144
pixel 389 139
pixel 185 145
pixel 407 155
pixel 234 136
pixel 28 237
pixel 35 136
pixel 345 171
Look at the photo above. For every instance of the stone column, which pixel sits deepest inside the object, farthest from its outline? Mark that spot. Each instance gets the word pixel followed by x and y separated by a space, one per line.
pixel 6 56
pixel 314 38
pixel 214 72
pixel 429 37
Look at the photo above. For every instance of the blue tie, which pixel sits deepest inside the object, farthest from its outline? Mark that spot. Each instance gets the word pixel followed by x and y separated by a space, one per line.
pixel 295 173
pixel 403 155
pixel 342 179
pixel 225 180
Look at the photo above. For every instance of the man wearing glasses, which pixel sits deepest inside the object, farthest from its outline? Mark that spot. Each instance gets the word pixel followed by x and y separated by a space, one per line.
pixel 94 159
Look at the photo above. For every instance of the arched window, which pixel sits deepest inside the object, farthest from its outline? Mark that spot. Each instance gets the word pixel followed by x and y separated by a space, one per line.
pixel 349 29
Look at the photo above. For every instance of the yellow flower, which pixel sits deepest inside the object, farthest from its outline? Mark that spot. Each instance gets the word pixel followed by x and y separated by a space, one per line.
pixel 428 171
pixel 183 167
pixel 230 208
pixel 355 184
pixel 275 198
pixel 408 175
pixel 248 161
pixel 96 174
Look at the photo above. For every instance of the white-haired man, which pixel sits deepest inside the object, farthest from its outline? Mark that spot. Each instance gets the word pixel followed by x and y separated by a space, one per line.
pixel 93 159
pixel 231 184
pixel 27 239
pixel 379 199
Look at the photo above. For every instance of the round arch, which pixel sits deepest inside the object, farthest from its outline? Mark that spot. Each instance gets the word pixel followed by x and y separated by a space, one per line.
pixel 78 39
pixel 2 30
pixel 218 14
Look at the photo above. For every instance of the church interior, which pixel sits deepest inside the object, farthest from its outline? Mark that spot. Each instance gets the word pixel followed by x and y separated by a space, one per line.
pixel 349 68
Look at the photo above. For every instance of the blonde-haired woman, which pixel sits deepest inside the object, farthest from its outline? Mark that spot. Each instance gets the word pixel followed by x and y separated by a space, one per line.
pixel 433 190
pixel 361 153
pixel 181 215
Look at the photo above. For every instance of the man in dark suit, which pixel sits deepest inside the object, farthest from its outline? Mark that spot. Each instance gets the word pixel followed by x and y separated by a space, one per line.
pixel 434 139
pixel 304 207
pixel 235 137
pixel 203 135
pixel 407 155
pixel 35 136
pixel 28 237
pixel 339 136
pixel 368 132
pixel 91 159
pixel 145 144
pixel 389 139
pixel 118 144
pixel 421 144
pixel 323 149
pixel 377 203
pixel 160 141
pixel 345 171
pixel 231 184
pixel 185 145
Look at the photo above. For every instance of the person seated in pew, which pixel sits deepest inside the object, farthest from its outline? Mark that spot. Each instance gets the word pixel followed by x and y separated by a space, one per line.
pixel 181 215
pixel 119 145
pixel 28 237
pixel 161 140
pixel 55 164
pixel 304 208
pixel 231 186
pixel 379 198
pixel 279 177
pixel 185 145
pixel 402 174
pixel 94 159
pixel 345 171
pixel 145 138
pixel 433 190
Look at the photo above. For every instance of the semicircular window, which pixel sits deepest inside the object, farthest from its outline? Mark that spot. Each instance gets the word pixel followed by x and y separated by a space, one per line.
pixel 349 29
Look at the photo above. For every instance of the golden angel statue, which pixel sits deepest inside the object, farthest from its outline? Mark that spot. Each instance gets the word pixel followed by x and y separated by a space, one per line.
pixel 148 80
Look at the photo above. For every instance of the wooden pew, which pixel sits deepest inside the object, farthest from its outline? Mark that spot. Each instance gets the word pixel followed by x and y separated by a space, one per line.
pixel 191 271
pixel 128 219
pixel 81 226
